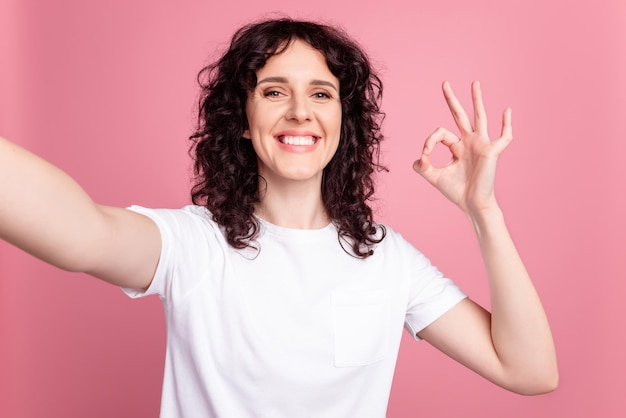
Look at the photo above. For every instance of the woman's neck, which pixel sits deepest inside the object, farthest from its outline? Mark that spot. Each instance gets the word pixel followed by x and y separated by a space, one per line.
pixel 292 204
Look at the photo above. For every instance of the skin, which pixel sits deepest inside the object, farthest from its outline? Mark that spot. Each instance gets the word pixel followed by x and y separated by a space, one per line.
pixel 511 346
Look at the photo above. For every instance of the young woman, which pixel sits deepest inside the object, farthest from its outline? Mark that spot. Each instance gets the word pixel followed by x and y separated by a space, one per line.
pixel 282 295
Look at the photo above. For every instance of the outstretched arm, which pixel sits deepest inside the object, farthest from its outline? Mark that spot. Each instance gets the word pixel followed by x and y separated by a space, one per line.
pixel 511 346
pixel 47 214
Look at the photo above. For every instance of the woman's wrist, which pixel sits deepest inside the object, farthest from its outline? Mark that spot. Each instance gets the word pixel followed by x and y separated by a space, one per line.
pixel 486 218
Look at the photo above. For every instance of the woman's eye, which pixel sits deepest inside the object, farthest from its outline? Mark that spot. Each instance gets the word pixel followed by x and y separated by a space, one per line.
pixel 321 95
pixel 271 93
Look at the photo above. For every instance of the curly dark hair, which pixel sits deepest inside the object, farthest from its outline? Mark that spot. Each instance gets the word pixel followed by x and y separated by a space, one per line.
pixel 226 176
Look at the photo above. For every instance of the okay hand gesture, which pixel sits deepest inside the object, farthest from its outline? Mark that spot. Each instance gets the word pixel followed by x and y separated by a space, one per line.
pixel 468 179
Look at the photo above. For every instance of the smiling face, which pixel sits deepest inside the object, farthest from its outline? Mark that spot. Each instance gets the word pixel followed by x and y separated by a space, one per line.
pixel 294 115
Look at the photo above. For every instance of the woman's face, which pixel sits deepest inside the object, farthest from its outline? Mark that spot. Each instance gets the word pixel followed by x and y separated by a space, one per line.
pixel 294 115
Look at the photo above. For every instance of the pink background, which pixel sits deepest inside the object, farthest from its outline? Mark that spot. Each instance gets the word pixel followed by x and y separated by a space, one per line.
pixel 106 90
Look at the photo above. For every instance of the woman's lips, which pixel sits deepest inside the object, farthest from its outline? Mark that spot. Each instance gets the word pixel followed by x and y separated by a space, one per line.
pixel 297 140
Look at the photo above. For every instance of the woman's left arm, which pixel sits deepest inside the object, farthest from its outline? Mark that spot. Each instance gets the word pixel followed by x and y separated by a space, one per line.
pixel 511 346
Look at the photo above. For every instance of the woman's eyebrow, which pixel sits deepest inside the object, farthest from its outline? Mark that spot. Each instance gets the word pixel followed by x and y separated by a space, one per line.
pixel 284 80
pixel 324 83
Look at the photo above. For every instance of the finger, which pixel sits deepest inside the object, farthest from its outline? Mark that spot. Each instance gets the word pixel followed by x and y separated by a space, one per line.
pixel 424 168
pixel 480 115
pixel 423 165
pixel 458 113
pixel 442 135
pixel 506 135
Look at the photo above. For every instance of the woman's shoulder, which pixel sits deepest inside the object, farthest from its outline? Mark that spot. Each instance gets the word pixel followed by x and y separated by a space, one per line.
pixel 191 219
pixel 193 211
pixel 395 242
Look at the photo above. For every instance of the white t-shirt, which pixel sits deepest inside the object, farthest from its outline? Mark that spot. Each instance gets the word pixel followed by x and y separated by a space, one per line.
pixel 297 329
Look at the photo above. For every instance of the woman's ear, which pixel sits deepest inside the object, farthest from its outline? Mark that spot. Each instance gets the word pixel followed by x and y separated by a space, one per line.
pixel 246 134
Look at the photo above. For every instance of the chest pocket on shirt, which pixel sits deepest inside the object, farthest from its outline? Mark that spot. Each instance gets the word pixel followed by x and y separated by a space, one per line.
pixel 360 326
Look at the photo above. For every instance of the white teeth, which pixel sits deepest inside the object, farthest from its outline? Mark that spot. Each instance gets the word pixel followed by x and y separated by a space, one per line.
pixel 298 140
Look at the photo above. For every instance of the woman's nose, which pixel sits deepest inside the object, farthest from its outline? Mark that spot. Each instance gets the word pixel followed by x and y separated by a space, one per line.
pixel 299 109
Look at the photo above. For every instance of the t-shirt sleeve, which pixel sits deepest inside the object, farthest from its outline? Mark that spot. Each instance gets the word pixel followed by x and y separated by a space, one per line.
pixel 431 294
pixel 189 242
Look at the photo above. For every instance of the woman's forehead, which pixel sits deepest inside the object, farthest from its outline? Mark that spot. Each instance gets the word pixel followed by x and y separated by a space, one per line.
pixel 298 60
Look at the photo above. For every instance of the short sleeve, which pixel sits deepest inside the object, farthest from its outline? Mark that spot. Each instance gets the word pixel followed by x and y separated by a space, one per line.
pixel 190 242
pixel 431 294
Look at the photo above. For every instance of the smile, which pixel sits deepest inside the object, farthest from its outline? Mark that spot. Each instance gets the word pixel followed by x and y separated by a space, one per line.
pixel 298 140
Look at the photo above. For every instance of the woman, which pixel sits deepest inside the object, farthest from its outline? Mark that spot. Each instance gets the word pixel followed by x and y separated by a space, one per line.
pixel 282 295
